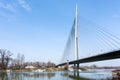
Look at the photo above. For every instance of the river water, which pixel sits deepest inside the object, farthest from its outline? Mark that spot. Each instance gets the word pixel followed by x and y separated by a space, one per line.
pixel 58 75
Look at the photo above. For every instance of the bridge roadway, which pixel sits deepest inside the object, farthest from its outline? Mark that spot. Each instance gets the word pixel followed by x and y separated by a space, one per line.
pixel 100 57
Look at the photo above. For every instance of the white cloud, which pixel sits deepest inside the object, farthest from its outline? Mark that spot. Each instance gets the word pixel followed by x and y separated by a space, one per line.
pixel 24 4
pixel 12 9
pixel 12 6
pixel 7 7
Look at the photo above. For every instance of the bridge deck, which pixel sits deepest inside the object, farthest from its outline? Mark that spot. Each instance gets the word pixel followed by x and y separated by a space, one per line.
pixel 101 57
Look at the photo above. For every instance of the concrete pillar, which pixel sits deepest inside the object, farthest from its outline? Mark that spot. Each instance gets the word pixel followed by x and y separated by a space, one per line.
pixel 74 66
pixel 68 63
pixel 77 66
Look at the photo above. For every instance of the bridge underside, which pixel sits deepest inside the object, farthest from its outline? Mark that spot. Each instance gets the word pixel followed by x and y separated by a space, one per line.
pixel 101 57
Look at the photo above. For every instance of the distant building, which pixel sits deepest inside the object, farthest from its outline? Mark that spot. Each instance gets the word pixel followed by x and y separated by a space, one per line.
pixel 30 67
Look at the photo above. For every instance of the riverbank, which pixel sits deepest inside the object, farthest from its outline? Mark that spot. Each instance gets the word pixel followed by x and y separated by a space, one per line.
pixel 116 72
pixel 35 69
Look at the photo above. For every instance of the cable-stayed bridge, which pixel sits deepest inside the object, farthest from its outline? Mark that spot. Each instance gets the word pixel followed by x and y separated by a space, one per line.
pixel 92 39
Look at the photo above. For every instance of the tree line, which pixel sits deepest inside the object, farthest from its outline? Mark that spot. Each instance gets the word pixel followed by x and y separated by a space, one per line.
pixel 7 62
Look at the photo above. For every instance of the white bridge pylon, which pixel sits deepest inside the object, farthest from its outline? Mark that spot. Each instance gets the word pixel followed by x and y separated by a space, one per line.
pixel 76 36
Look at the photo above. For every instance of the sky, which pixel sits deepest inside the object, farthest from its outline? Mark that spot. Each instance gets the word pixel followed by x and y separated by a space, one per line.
pixel 39 29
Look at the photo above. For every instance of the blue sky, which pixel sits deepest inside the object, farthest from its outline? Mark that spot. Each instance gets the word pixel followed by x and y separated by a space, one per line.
pixel 39 28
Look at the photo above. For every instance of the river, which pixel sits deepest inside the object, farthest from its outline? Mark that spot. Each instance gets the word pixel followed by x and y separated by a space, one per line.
pixel 58 75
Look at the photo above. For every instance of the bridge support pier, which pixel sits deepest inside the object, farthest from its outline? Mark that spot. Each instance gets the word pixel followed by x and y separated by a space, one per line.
pixel 74 66
pixel 77 66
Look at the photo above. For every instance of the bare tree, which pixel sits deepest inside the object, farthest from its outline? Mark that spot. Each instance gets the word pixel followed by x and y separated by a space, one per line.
pixel 50 64
pixel 22 61
pixel 4 58
pixel 18 63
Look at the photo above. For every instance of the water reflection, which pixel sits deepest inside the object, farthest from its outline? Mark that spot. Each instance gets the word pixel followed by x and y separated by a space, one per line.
pixel 89 75
pixel 72 75
pixel 3 76
pixel 26 75
pixel 39 75
pixel 60 75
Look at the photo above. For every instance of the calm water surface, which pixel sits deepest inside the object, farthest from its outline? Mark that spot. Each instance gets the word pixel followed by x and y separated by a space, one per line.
pixel 58 75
